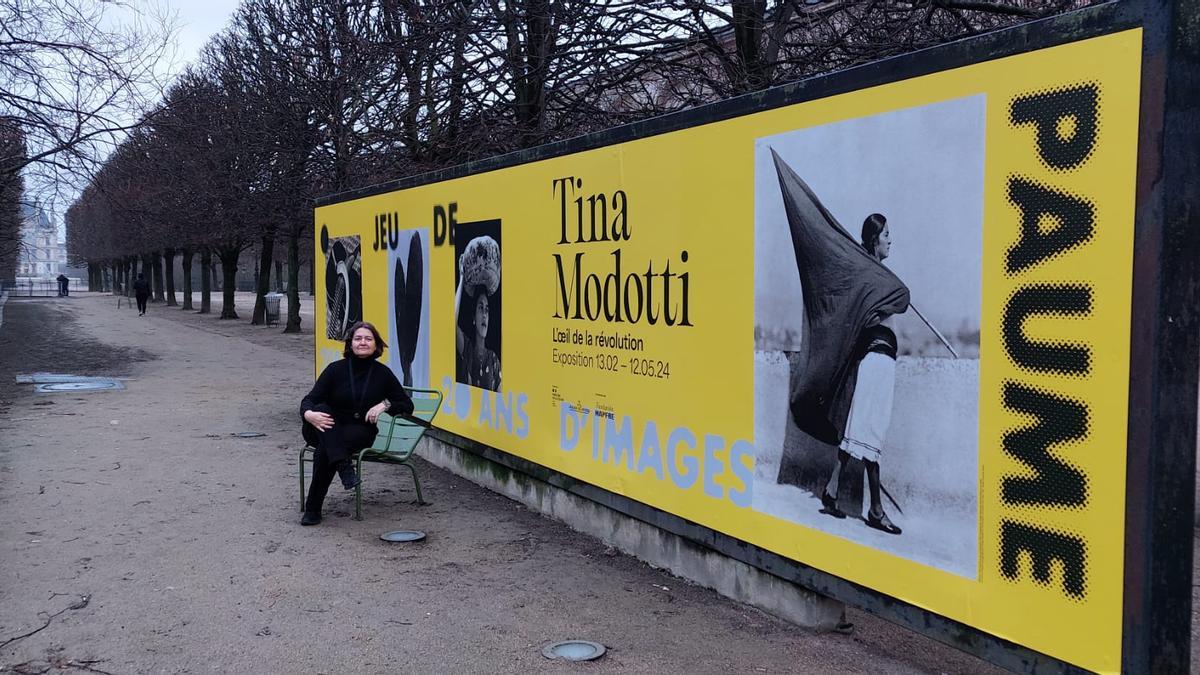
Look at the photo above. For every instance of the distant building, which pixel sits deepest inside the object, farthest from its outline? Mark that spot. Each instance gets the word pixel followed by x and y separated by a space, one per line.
pixel 43 255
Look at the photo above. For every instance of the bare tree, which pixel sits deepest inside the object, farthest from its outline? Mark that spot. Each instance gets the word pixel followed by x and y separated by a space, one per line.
pixel 541 70
pixel 723 49
pixel 12 152
pixel 308 76
pixel 75 79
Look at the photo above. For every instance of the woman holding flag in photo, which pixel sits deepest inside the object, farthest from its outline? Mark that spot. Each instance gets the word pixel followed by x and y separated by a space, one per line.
pixel 871 405
pixel 843 387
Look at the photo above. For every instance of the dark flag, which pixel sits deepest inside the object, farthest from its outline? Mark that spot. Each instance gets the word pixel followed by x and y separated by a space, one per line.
pixel 845 291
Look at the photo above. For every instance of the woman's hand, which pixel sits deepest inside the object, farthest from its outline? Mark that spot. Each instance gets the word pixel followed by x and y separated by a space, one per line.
pixel 373 413
pixel 320 420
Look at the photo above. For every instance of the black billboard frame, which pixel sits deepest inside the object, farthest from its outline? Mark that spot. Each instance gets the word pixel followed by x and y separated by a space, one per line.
pixel 1164 345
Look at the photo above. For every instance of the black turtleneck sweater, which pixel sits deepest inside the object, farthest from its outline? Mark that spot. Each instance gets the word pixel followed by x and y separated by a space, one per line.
pixel 354 385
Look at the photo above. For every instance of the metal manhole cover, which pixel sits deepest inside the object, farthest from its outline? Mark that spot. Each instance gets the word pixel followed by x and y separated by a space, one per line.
pixel 574 650
pixel 79 386
pixel 401 536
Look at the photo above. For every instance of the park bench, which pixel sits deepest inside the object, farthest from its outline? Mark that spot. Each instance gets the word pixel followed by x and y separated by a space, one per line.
pixel 394 444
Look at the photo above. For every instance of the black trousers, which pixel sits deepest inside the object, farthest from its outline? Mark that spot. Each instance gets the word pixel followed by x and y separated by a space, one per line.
pixel 335 445
pixel 141 300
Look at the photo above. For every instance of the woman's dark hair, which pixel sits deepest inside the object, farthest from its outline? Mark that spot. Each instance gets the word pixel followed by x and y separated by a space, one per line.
pixel 380 345
pixel 871 228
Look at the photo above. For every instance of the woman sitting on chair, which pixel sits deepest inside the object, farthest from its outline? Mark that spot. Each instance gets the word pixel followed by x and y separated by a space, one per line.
pixel 340 412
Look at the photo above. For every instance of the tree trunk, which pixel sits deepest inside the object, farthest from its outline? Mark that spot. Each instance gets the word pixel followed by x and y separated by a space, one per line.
pixel 748 23
pixel 205 281
pixel 229 259
pixel 151 278
pixel 130 275
pixel 156 268
pixel 169 268
pixel 216 283
pixel 278 275
pixel 187 279
pixel 312 278
pixel 293 285
pixel 263 283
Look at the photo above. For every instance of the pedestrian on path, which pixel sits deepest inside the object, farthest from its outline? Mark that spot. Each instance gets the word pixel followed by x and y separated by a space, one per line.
pixel 141 289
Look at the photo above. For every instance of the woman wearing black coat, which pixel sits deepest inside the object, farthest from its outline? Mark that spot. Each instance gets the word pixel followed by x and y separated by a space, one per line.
pixel 141 290
pixel 340 412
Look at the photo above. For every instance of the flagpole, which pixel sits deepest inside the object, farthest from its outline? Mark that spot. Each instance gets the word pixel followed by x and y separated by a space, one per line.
pixel 935 331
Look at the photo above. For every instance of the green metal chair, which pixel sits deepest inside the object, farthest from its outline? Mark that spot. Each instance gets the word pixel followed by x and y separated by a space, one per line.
pixel 394 444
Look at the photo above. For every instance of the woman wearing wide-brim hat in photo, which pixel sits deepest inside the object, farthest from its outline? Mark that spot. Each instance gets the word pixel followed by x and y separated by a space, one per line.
pixel 479 278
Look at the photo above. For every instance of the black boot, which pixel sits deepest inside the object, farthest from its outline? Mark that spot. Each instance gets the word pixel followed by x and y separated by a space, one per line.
pixel 829 505
pixel 882 522
pixel 349 476
pixel 310 518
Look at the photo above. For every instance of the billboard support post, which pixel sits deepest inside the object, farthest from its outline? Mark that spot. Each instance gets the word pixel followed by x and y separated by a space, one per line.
pixel 1164 364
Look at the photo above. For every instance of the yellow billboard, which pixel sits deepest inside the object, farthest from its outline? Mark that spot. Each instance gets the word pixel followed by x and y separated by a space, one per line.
pixel 883 333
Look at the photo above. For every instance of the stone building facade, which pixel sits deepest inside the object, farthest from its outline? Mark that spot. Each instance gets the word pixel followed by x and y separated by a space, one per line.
pixel 43 254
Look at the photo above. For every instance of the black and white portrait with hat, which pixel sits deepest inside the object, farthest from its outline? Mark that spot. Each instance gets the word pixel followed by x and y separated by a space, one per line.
pixel 477 308
pixel 343 283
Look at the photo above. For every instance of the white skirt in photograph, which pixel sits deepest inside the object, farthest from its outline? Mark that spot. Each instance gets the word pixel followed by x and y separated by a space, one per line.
pixel 871 407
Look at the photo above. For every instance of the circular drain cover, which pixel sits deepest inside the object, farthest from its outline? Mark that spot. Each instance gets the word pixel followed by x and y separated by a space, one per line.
pixel 574 650
pixel 89 385
pixel 403 536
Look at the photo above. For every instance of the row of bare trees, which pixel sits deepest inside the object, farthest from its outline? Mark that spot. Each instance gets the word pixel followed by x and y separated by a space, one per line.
pixel 299 98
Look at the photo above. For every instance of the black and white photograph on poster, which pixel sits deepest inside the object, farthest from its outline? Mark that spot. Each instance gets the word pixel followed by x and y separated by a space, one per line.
pixel 868 241
pixel 409 299
pixel 343 283
pixel 477 304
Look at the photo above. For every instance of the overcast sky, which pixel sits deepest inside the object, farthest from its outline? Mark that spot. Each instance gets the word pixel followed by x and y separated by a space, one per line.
pixel 198 21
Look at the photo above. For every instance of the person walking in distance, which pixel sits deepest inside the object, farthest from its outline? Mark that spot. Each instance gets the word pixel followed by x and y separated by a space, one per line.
pixel 141 290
